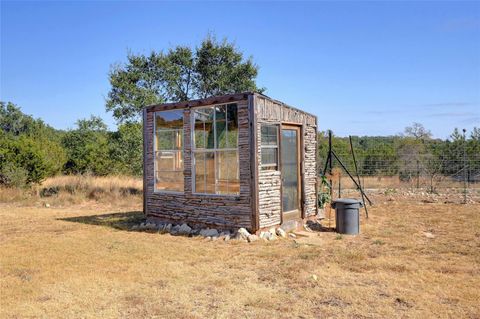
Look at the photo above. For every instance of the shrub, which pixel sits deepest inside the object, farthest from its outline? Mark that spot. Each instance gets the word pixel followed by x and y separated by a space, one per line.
pixel 20 155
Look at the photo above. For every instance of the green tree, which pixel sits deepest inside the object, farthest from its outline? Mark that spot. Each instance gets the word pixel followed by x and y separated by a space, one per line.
pixel 21 156
pixel 88 148
pixel 182 73
pixel 126 149
pixel 14 123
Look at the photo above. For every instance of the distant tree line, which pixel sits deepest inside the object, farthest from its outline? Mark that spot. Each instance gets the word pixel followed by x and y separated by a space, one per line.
pixel 31 150
pixel 409 155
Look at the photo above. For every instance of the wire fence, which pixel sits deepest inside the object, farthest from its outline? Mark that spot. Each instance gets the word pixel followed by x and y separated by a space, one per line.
pixel 434 170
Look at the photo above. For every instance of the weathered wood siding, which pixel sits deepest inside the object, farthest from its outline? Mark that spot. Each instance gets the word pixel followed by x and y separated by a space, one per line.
pixel 269 196
pixel 205 210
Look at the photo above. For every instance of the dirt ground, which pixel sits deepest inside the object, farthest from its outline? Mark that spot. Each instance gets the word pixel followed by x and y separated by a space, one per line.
pixel 413 259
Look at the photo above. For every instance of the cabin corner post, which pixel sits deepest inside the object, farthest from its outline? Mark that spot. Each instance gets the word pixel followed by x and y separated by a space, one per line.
pixel 253 163
pixel 144 119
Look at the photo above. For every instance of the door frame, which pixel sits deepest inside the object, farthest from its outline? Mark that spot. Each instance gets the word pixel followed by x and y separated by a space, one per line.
pixel 298 129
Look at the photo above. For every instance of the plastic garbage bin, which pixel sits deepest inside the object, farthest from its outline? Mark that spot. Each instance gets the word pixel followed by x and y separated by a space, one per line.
pixel 347 216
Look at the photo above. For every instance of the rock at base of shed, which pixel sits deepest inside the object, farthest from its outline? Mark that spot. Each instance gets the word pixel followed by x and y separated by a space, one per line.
pixel 289 226
pixel 243 233
pixel 209 232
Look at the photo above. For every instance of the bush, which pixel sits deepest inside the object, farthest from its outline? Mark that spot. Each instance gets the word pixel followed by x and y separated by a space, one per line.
pixel 12 176
pixel 19 156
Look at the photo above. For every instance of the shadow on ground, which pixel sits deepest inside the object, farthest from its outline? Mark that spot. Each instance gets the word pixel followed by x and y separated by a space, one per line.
pixel 121 221
pixel 318 227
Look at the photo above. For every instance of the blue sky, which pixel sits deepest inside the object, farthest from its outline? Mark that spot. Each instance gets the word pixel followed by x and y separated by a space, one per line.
pixel 364 68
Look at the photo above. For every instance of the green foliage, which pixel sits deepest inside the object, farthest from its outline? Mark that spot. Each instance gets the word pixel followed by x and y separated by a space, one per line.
pixel 126 149
pixel 324 196
pixel 88 148
pixel 21 161
pixel 13 176
pixel 182 73
pixel 30 149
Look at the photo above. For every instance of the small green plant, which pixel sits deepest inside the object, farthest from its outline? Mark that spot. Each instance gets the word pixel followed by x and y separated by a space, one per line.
pixel 339 237
pixel 390 191
pixel 323 195
pixel 378 242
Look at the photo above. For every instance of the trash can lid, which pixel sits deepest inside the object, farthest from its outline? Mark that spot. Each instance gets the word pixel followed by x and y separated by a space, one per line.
pixel 347 201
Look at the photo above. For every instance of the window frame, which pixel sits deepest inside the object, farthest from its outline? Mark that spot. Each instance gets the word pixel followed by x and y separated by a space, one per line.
pixel 276 166
pixel 213 150
pixel 182 150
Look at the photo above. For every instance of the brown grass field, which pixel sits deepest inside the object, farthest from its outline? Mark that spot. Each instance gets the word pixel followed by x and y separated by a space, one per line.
pixel 77 259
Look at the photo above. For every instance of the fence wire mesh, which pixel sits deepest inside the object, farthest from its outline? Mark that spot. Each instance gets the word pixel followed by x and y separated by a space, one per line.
pixel 437 170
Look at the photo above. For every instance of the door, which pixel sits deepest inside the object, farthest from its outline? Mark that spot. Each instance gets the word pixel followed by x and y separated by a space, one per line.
pixel 290 168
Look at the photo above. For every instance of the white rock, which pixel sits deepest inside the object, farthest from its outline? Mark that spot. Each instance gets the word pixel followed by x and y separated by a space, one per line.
pixel 281 233
pixel 226 238
pixel 263 235
pixel 272 237
pixel 252 238
pixel 273 234
pixel 47 205
pixel 292 235
pixel 428 235
pixel 244 233
pixel 209 232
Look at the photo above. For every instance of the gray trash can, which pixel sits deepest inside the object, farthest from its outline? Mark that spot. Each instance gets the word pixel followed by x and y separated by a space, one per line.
pixel 347 216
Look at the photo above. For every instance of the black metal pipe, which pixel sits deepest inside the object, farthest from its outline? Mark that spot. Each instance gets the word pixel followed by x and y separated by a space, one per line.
pixel 353 179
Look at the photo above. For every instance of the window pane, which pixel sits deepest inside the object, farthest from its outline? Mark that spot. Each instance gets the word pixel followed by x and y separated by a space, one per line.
pixel 221 127
pixel 289 170
pixel 169 170
pixel 169 119
pixel 204 172
pixel 210 172
pixel 269 156
pixel 216 171
pixel 199 134
pixel 269 135
pixel 169 139
pixel 170 181
pixel 232 126
pixel 169 150
pixel 203 131
pixel 200 172
pixel 227 172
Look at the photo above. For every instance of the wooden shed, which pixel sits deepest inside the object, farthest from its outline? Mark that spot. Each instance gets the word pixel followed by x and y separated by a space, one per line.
pixel 238 160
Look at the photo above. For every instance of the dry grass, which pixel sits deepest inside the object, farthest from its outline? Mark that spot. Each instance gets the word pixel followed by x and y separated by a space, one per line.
pixel 76 189
pixel 80 262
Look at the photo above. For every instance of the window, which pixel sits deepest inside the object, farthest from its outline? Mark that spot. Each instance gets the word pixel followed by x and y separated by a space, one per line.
pixel 269 147
pixel 215 147
pixel 168 149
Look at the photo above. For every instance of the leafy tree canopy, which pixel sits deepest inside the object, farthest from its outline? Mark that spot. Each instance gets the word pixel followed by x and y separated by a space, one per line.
pixel 182 73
